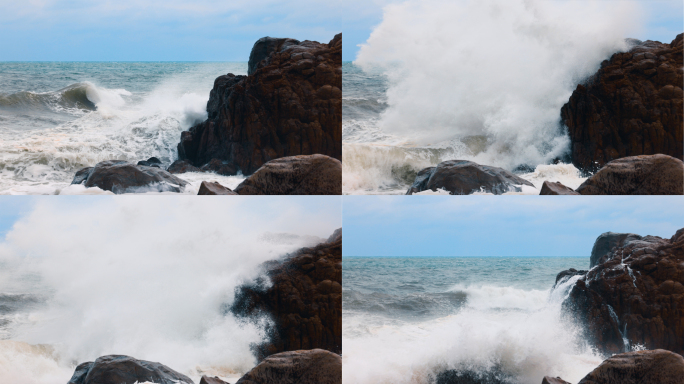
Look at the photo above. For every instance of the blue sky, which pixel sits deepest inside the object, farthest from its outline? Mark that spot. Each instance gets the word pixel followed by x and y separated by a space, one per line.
pixel 208 30
pixel 499 225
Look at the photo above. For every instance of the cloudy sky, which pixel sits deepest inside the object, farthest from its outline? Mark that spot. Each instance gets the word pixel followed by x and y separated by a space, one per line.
pixel 499 225
pixel 210 30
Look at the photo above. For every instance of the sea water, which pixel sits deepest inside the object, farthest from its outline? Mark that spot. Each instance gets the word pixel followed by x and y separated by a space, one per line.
pixel 406 320
pixel 58 117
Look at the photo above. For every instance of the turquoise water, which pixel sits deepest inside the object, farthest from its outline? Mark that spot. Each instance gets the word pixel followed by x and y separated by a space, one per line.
pixel 58 117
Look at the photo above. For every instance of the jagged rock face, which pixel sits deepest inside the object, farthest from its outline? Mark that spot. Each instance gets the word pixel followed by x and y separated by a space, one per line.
pixel 297 367
pixel 116 369
pixel 634 295
pixel 631 106
pixel 637 175
pixel 462 177
pixel 642 367
pixel 263 48
pixel 290 105
pixel 304 300
pixel 606 242
pixel 123 177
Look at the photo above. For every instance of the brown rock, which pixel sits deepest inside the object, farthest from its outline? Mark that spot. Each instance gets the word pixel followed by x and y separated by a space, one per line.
pixel 297 367
pixel 637 175
pixel 182 166
pixel 295 175
pixel 551 188
pixel 124 177
pixel 118 369
pixel 634 295
pixel 462 177
pixel 631 106
pixel 211 380
pixel 290 104
pixel 214 188
pixel 304 300
pixel 642 367
pixel 553 380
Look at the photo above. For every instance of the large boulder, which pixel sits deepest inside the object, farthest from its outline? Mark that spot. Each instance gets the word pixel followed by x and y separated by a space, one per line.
pixel 634 295
pixel 117 369
pixel 631 106
pixel 462 177
pixel 642 367
pixel 304 300
pixel 556 188
pixel 606 242
pixel 289 104
pixel 121 176
pixel 295 175
pixel 637 175
pixel 297 367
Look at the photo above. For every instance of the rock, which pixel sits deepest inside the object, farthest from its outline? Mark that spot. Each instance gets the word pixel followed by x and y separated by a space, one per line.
pixel 117 369
pixel 211 380
pixel 151 162
pixel 182 166
pixel 336 236
pixel 563 276
pixel 297 367
pixel 123 177
pixel 631 106
pixel 637 175
pixel 642 367
pixel 551 188
pixel 462 177
pixel 606 242
pixel 304 300
pixel 290 104
pixel 214 188
pixel 634 295
pixel 295 175
pixel 553 380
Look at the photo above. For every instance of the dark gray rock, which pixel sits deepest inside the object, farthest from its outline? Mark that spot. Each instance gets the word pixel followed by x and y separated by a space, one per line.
pixel 337 235
pixel 263 49
pixel 182 166
pixel 123 177
pixel 606 242
pixel 568 273
pixel 556 188
pixel 151 162
pixel 462 177
pixel 315 366
pixel 553 380
pixel 118 369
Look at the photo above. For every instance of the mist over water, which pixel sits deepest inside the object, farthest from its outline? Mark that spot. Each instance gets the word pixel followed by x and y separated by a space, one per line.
pixel 56 118
pixel 473 80
pixel 132 277
pixel 405 320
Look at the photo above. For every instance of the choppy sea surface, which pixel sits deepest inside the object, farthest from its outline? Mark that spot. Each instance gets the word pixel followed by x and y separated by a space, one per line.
pixel 58 117
pixel 493 319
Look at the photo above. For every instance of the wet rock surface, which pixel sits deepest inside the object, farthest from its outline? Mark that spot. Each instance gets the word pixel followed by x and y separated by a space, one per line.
pixel 553 380
pixel 295 175
pixel 462 177
pixel 118 369
pixel 637 175
pixel 182 166
pixel 214 188
pixel 211 380
pixel 304 300
pixel 642 367
pixel 606 242
pixel 556 188
pixel 634 295
pixel 631 106
pixel 123 177
pixel 290 104
pixel 315 366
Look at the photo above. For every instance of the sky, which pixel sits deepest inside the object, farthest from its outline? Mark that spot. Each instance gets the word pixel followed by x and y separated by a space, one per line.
pixel 209 30
pixel 499 225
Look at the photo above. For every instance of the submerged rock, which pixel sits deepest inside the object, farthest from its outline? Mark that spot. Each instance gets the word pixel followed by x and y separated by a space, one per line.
pixel 551 188
pixel 295 175
pixel 214 188
pixel 633 295
pixel 315 366
pixel 117 369
pixel 631 106
pixel 462 177
pixel 289 104
pixel 182 166
pixel 304 300
pixel 637 175
pixel 151 162
pixel 123 177
pixel 642 367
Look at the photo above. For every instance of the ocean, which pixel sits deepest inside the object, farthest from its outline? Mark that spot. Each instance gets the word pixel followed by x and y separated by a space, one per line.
pixel 58 117
pixel 492 319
